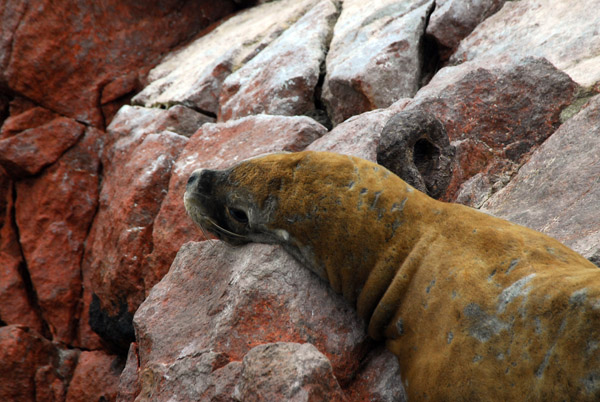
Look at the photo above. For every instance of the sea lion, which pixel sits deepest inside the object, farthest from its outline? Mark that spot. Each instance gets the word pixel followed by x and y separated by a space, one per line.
pixel 475 307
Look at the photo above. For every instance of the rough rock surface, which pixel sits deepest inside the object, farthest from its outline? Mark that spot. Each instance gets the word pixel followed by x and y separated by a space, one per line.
pixel 495 116
pixel 564 32
pixel 557 190
pixel 218 146
pixel 178 80
pixel 87 56
pixel 375 56
pixel 287 372
pixel 66 69
pixel 282 78
pixel 452 20
pixel 245 291
pixel 53 236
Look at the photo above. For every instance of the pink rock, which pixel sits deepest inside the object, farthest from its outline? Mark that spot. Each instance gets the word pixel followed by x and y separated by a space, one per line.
pixel 557 190
pixel 28 152
pixel 53 213
pixel 375 57
pixel 282 78
pixel 228 300
pixel 104 50
pixel 96 377
pixel 193 75
pixel 493 134
pixel 288 372
pixel 219 146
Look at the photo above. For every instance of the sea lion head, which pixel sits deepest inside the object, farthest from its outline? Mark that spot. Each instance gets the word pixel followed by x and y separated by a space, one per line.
pixel 336 214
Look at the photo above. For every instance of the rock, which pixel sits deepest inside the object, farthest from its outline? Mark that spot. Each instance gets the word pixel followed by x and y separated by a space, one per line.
pixel 375 56
pixel 95 378
pixel 282 78
pixel 33 368
pixel 178 80
pixel 104 51
pixel 219 146
pixel 224 301
pixel 16 306
pixel 288 372
pixel 452 20
pixel 557 190
pixel 129 385
pixel 379 380
pixel 31 118
pixel 561 31
pixel 359 135
pixel 52 236
pixel 414 145
pixel 495 116
pixel 135 182
pixel 28 152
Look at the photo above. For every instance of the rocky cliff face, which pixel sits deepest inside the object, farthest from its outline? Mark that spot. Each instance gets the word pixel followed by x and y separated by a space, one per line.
pixel 105 110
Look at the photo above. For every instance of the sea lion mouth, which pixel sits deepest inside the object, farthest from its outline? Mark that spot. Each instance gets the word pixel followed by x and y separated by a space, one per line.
pixel 199 202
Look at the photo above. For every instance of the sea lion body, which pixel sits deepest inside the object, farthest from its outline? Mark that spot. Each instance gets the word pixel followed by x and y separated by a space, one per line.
pixel 475 307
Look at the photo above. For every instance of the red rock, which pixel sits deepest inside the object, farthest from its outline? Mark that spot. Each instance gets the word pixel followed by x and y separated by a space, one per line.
pixel 96 377
pixel 129 385
pixel 120 240
pixel 495 116
pixel 283 77
pixel 104 51
pixel 53 214
pixel 32 367
pixel 288 372
pixel 28 152
pixel 218 146
pixel 557 190
pixel 15 304
pixel 31 118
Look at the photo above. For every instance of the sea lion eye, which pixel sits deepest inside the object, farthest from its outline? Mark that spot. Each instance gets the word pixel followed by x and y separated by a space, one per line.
pixel 238 215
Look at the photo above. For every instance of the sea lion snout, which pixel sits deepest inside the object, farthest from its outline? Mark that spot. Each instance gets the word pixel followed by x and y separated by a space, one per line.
pixel 200 181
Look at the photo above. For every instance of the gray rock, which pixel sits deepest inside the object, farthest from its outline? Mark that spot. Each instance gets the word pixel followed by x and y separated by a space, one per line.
pixel 375 55
pixel 193 76
pixel 287 372
pixel 453 20
pixel 557 190
pixel 282 78
pixel 563 31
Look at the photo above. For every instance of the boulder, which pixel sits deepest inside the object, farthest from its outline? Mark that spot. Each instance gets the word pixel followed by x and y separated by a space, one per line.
pixel 495 116
pixel 226 301
pixel 562 31
pixel 282 78
pixel 53 213
pixel 286 371
pixel 88 60
pixel 375 56
pixel 452 20
pixel 29 151
pixel 193 76
pixel 95 378
pixel 557 190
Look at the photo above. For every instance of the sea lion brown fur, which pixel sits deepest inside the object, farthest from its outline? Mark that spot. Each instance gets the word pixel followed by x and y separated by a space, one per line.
pixel 476 308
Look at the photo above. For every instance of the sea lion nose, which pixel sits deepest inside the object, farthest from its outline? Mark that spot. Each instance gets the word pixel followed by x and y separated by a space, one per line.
pixel 200 180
